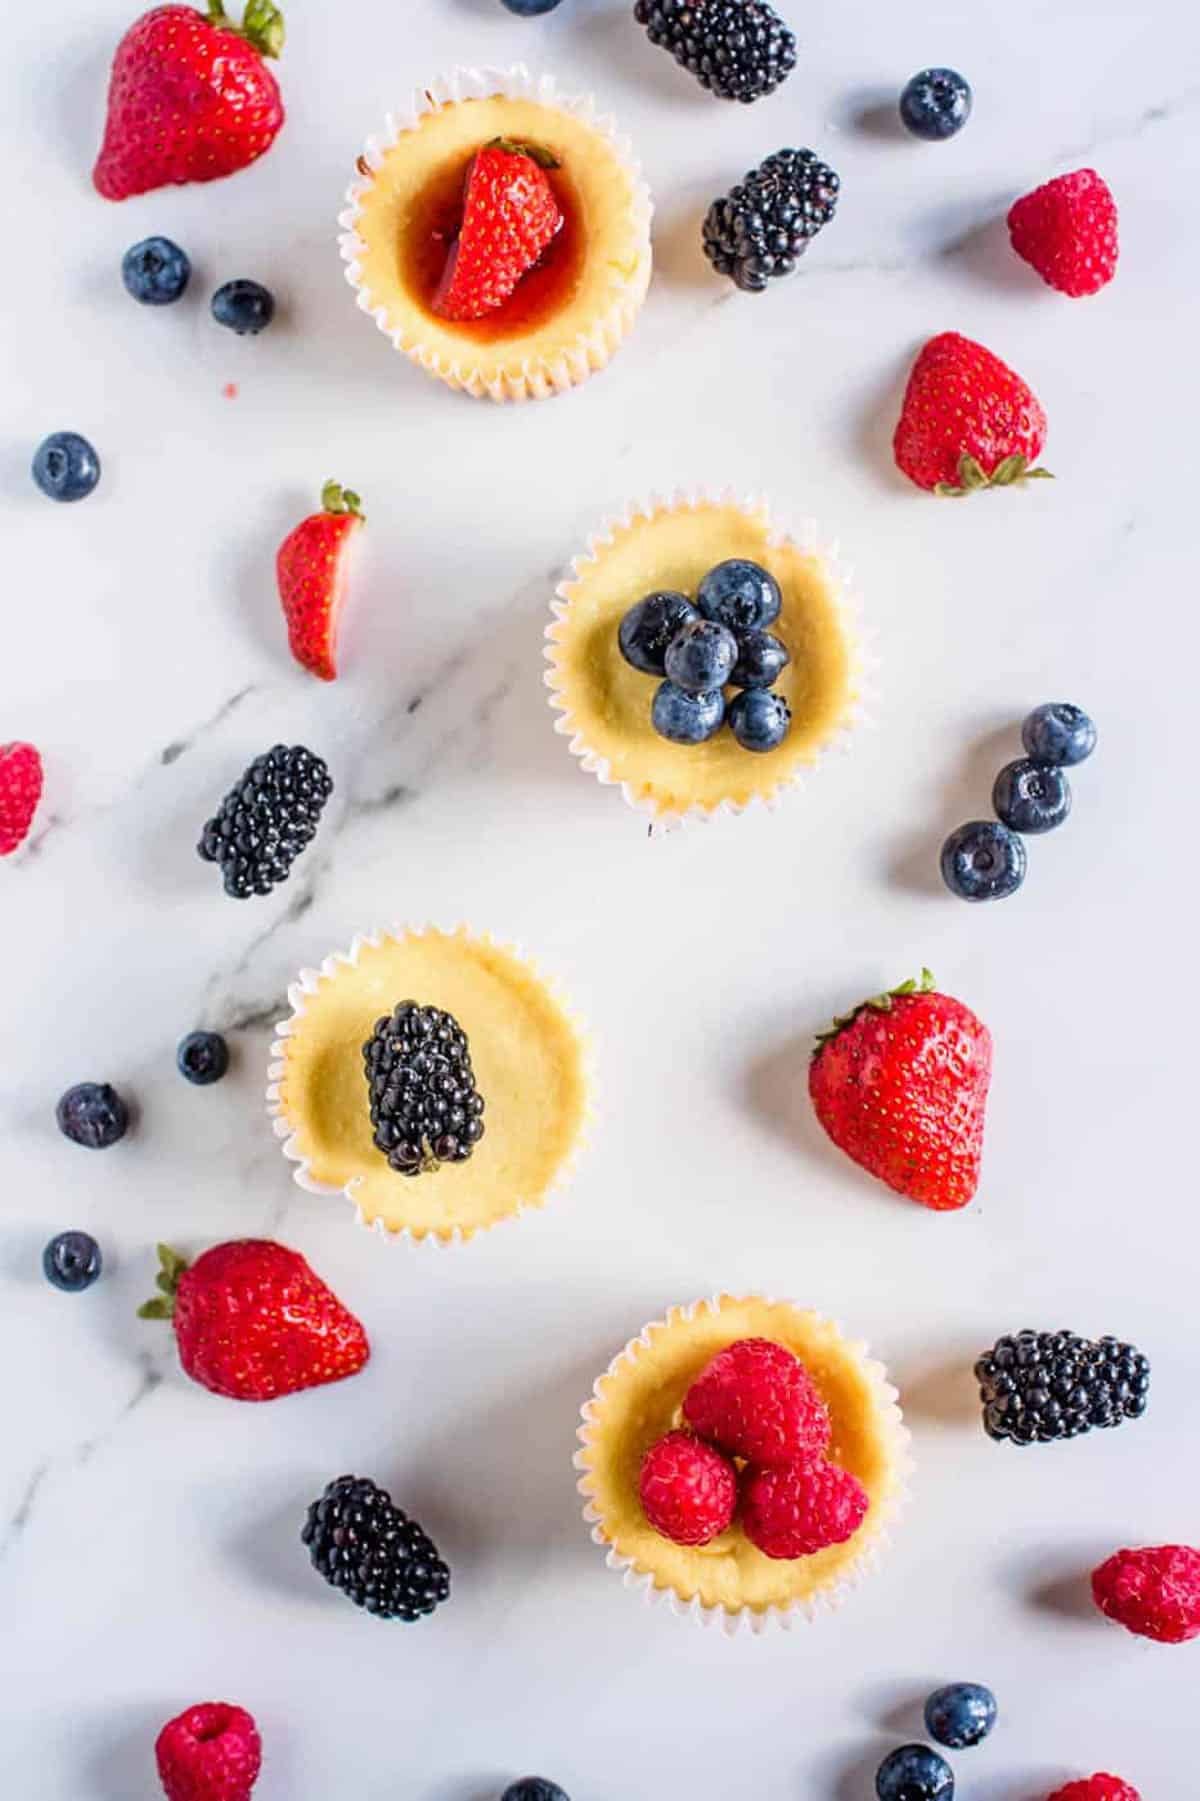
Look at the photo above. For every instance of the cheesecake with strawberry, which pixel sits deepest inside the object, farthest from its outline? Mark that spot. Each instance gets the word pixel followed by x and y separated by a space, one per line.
pixel 500 236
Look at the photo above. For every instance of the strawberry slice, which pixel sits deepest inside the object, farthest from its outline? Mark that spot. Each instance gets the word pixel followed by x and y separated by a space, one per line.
pixel 510 216
pixel 311 571
pixel 20 792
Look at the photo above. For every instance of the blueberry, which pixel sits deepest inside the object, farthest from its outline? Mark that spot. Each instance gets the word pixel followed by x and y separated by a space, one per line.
pixel 983 861
pixel 1059 733
pixel 534 1788
pixel 1031 797
pixel 65 466
pixel 936 104
pixel 648 627
pixel 741 595
pixel 759 719
pixel 961 1714
pixel 72 1261
pixel 530 9
pixel 762 659
pixel 244 306
pixel 93 1114
pixel 914 1773
pixel 687 718
pixel 156 271
pixel 203 1057
pixel 701 656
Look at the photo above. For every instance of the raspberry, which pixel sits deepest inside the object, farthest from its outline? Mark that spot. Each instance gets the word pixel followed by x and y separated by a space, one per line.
pixel 20 792
pixel 802 1508
pixel 1154 1592
pixel 211 1752
pixel 688 1490
pixel 1096 1788
pixel 756 1400
pixel 1067 229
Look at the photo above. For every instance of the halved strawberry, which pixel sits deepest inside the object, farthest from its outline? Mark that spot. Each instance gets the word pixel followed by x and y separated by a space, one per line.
pixel 510 215
pixel 311 572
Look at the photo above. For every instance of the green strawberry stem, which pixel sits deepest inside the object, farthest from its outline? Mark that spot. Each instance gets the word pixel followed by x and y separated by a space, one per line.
pixel 262 24
pixel 1010 472
pixel 336 499
pixel 545 159
pixel 878 1003
pixel 171 1267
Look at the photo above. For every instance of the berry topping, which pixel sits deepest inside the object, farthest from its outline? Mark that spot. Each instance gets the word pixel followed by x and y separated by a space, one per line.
pixel 65 466
pixel 20 791
pixel 425 1107
pixel 364 1545
pixel 244 306
pixel 687 718
pixel 202 1057
pixel 960 1715
pixel 646 631
pixel 936 104
pixel 737 49
pixel 762 227
pixel 701 656
pixel 209 1753
pixel 252 1321
pixel 983 861
pixel 268 817
pixel 759 719
pixel 914 1773
pixel 901 1086
pixel 688 1490
pixel 189 98
pixel 92 1114
pixel 155 272
pixel 510 218
pixel 1059 733
pixel 756 1400
pixel 1067 230
pixel 1040 1386
pixel 802 1508
pixel 531 9
pixel 72 1261
pixel 1030 796
pixel 310 571
pixel 534 1788
pixel 1096 1788
pixel 761 661
pixel 967 421
pixel 1154 1592
pixel 741 595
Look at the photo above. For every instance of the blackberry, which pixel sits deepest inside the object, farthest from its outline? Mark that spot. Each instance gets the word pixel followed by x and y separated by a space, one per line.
pixel 364 1545
pixel 737 49
pixel 1040 1386
pixel 760 229
pixel 425 1107
pixel 267 819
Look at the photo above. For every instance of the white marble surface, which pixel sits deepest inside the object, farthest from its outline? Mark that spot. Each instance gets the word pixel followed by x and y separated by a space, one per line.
pixel 148 1531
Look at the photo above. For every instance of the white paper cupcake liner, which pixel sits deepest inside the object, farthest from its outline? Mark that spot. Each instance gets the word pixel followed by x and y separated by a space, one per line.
pixel 751 1620
pixel 809 541
pixel 536 379
pixel 308 982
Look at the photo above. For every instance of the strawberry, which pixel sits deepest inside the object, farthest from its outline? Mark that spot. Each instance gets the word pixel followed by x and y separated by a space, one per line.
pixel 311 572
pixel 20 792
pixel 688 1491
pixel 1067 229
pixel 211 1752
pixel 190 98
pixel 901 1086
pixel 510 215
pixel 967 421
pixel 253 1322
pixel 801 1508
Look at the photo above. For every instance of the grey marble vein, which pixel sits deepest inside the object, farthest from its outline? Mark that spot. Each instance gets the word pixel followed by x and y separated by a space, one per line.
pixel 23 1513
pixel 177 748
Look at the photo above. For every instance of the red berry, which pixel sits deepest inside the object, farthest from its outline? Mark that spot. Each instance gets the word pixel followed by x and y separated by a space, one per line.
pixel 211 1752
pixel 1154 1591
pixel 1068 230
pixel 688 1490
pixel 801 1508
pixel 756 1400
pixel 510 216
pixel 310 569
pixel 1096 1788
pixel 967 421
pixel 901 1086
pixel 20 792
